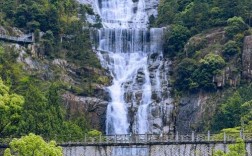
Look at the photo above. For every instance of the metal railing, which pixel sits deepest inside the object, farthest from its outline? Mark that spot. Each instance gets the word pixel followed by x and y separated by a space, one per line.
pixel 146 139
pixel 162 138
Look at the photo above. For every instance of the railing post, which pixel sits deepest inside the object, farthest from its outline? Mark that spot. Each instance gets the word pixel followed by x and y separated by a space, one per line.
pixel 225 137
pixel 136 138
pixel 208 135
pixel 115 139
pixel 193 136
pixel 100 138
pixel 130 138
pixel 55 136
pixel 161 137
pixel 70 138
pixel 146 137
pixel 177 136
pixel 241 134
pixel 85 138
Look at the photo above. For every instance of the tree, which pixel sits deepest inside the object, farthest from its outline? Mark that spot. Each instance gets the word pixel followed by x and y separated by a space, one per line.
pixel 32 145
pixel 184 73
pixel 229 114
pixel 209 66
pixel 175 39
pixel 230 49
pixel 167 11
pixel 235 25
pixel 246 112
pixel 10 110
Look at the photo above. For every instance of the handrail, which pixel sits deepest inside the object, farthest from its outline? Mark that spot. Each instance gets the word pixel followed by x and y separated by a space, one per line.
pixel 146 138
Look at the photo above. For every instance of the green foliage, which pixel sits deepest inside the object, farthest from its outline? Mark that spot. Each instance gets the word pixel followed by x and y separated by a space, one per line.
pixel 43 15
pixel 44 114
pixel 94 133
pixel 33 145
pixel 167 11
pixel 235 111
pixel 237 149
pixel 229 114
pixel 43 111
pixel 10 110
pixel 247 112
pixel 209 67
pixel 235 25
pixel 9 70
pixel 231 48
pixel 199 15
pixel 78 46
pixel 233 132
pixel 185 69
pixel 193 76
pixel 175 40
pixel 212 62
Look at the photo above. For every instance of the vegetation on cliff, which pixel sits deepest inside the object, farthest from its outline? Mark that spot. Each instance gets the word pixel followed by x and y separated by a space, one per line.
pixel 188 18
pixel 204 40
pixel 59 35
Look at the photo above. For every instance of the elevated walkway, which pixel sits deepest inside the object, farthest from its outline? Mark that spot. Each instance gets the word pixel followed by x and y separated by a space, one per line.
pixel 25 39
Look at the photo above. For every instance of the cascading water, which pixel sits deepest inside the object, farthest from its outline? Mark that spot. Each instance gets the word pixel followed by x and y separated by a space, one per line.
pixel 125 46
pixel 122 13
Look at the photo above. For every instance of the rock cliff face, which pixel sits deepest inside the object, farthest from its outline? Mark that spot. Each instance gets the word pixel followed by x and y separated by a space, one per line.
pixel 194 111
pixel 93 108
pixel 247 58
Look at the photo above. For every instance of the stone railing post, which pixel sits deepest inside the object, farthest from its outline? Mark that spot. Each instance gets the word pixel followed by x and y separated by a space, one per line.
pixel 208 135
pixel 130 138
pixel 70 138
pixel 100 138
pixel 193 136
pixel 85 138
pixel 241 134
pixel 115 139
pixel 177 136
pixel 146 137
pixel 161 137
pixel 225 137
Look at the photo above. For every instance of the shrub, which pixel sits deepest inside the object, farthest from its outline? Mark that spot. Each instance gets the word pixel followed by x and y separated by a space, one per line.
pixel 175 40
pixel 33 145
pixel 94 133
pixel 230 49
pixel 185 70
pixel 235 26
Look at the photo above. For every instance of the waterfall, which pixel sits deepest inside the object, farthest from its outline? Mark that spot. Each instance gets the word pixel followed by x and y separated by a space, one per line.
pixel 122 13
pixel 125 46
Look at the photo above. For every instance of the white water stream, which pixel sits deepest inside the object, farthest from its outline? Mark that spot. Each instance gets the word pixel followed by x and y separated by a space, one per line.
pixel 125 45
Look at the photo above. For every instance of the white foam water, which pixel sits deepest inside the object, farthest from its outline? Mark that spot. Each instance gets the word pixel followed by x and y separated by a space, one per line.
pixel 124 47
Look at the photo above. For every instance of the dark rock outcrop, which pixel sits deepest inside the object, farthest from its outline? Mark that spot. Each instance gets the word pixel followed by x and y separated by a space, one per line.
pixel 94 109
